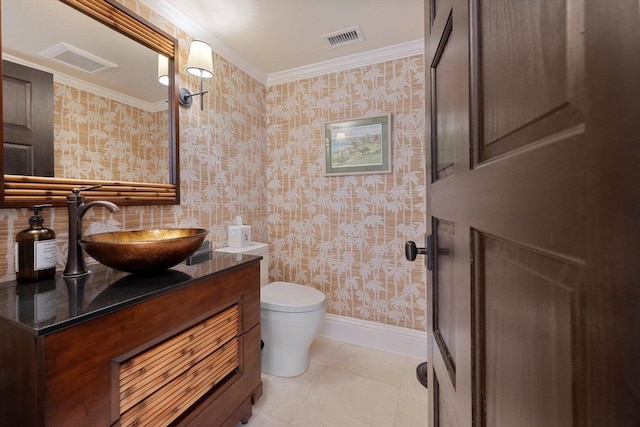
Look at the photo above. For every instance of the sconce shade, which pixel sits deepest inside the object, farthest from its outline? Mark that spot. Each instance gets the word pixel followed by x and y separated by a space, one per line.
pixel 163 69
pixel 200 62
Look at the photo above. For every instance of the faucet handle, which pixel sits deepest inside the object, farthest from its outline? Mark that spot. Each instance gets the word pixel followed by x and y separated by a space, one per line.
pixel 77 191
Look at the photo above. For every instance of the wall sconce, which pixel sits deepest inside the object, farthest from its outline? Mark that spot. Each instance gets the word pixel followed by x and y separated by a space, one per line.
pixel 200 63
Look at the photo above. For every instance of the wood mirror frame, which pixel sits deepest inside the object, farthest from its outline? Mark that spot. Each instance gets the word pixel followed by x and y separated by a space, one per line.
pixel 24 191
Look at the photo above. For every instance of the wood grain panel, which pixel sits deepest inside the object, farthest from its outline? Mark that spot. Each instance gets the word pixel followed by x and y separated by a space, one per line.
pixel 444 296
pixel 147 373
pixel 19 352
pixel 432 8
pixel 526 74
pixel 19 92
pixel 27 112
pixel 250 368
pixel 443 101
pixel 444 416
pixel 436 399
pixel 166 404
pixel 87 350
pixel 526 306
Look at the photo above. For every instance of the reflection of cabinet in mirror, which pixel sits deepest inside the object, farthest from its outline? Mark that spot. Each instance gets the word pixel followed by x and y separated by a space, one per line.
pixel 27 109
pixel 104 133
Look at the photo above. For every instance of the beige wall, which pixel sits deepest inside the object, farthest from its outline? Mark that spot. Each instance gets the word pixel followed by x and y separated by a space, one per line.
pixel 345 234
pixel 100 138
pixel 254 148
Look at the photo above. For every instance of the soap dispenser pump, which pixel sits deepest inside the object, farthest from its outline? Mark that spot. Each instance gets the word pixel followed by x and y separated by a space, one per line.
pixel 36 250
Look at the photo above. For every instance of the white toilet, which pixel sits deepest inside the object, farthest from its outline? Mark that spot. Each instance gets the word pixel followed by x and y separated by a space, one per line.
pixel 291 315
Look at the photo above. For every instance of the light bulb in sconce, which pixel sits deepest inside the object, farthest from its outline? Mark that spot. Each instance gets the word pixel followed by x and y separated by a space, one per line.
pixel 200 63
pixel 163 69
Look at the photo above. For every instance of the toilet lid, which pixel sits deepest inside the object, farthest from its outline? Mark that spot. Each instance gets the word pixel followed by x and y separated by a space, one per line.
pixel 290 297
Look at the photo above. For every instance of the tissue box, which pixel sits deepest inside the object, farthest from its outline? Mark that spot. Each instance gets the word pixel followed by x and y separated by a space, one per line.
pixel 239 236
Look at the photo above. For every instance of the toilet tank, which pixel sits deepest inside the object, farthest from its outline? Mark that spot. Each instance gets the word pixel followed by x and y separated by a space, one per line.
pixel 255 248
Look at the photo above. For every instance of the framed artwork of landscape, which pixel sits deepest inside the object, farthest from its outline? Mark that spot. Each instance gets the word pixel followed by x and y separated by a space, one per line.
pixel 358 146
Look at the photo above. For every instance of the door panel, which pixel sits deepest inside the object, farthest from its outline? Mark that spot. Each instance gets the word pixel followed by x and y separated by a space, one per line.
pixel 530 120
pixel 444 296
pixel 507 202
pixel 443 105
pixel 450 323
pixel 526 304
pixel 444 415
pixel 27 110
pixel 524 55
pixel 537 115
pixel 612 292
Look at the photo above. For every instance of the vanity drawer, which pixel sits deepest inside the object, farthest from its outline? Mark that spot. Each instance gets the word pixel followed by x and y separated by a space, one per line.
pixel 159 384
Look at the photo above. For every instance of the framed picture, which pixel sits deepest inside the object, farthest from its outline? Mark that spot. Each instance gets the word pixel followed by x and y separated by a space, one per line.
pixel 358 146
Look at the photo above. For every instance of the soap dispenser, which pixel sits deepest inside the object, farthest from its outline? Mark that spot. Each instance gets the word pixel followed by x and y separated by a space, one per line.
pixel 36 250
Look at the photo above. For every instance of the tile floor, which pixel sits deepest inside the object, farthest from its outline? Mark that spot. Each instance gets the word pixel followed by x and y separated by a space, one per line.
pixel 345 386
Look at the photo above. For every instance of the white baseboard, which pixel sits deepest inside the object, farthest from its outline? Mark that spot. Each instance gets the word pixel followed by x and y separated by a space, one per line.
pixel 393 339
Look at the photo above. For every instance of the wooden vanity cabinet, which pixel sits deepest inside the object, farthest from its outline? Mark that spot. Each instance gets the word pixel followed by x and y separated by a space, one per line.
pixel 72 377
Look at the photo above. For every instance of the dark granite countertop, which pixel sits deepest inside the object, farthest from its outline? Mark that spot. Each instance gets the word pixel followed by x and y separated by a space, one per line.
pixel 50 305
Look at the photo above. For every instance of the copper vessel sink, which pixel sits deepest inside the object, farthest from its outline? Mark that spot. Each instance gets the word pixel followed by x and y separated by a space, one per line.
pixel 141 251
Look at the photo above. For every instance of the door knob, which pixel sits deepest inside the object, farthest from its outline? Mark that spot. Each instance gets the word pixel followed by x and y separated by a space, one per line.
pixel 411 251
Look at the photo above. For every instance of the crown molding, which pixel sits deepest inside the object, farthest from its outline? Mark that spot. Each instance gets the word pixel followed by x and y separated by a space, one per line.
pixel 402 50
pixel 185 23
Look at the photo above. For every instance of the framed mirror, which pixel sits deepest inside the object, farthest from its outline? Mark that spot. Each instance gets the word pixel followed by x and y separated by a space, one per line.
pixel 83 104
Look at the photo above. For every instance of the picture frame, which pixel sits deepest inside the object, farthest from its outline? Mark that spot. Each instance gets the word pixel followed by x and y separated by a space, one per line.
pixel 358 146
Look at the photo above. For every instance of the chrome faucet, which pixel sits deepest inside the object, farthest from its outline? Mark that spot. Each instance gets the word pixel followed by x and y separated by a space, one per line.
pixel 77 208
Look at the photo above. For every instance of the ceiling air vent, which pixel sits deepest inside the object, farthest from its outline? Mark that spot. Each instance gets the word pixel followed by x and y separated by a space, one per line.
pixel 77 58
pixel 343 37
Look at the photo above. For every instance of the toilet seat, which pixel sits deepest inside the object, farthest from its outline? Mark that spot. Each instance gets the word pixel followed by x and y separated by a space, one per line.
pixel 290 298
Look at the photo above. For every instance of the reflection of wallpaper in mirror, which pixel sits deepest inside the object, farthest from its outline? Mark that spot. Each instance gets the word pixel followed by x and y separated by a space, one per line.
pixel 99 138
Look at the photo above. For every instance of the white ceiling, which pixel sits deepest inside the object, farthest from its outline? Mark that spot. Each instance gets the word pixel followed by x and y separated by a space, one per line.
pixel 272 40
pixel 30 27
pixel 276 36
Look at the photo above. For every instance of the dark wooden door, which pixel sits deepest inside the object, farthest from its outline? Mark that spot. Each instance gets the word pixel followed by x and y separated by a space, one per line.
pixel 533 199
pixel 27 109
